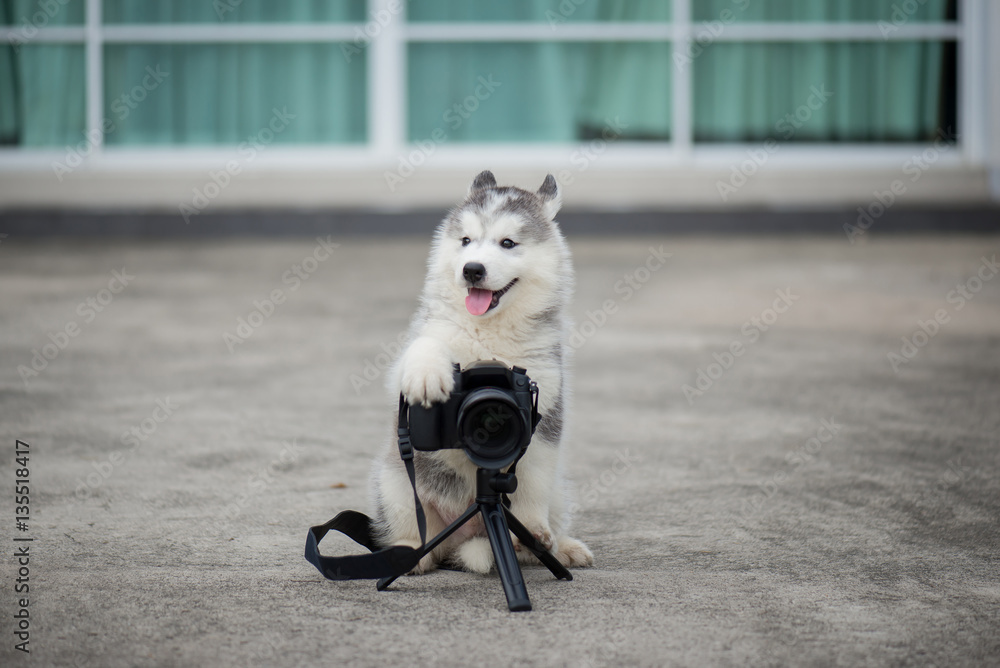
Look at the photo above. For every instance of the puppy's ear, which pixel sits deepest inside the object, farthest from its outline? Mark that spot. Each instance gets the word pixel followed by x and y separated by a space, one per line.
pixel 550 196
pixel 484 180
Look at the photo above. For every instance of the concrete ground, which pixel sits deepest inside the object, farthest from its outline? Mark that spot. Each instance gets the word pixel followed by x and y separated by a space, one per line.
pixel 803 502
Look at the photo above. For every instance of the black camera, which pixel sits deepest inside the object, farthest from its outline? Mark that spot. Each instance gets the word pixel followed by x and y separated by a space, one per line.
pixel 491 413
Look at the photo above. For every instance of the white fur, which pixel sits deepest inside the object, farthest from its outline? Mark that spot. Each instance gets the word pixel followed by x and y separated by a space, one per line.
pixel 444 332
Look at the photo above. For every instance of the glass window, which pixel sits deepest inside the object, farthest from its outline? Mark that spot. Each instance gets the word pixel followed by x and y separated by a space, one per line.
pixel 552 11
pixel 231 11
pixel 829 92
pixel 539 91
pixel 33 14
pixel 527 83
pixel 224 93
pixel 826 11
pixel 42 95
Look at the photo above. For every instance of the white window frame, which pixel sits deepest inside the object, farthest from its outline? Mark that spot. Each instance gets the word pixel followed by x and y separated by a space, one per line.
pixel 386 90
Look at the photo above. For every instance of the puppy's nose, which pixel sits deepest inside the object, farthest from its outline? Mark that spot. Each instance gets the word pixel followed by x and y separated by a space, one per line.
pixel 474 272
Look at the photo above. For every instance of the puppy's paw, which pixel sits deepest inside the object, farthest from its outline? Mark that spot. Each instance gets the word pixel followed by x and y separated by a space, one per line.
pixel 427 381
pixel 573 553
pixel 542 534
pixel 426 564
pixel 475 555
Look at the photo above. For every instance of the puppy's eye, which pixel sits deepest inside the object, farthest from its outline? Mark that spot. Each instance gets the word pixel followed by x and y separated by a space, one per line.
pixel 466 241
pixel 507 243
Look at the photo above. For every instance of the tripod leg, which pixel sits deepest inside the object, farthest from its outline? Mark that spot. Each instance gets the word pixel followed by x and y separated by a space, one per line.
pixel 536 548
pixel 469 513
pixel 506 560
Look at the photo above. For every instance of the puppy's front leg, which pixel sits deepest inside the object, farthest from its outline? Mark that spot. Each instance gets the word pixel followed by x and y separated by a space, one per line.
pixel 426 374
pixel 397 513
pixel 536 484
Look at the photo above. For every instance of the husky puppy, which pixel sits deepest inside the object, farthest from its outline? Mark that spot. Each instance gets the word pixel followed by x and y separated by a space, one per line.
pixel 498 281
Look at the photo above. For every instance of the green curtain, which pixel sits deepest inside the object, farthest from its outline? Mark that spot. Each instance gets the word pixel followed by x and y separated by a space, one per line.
pixel 42 95
pixel 228 93
pixel 223 94
pixel 232 11
pixel 556 92
pixel 553 12
pixel 830 11
pixel 41 13
pixel 548 91
pixel 538 92
pixel 205 94
pixel 41 85
pixel 188 94
pixel 856 91
pixel 871 91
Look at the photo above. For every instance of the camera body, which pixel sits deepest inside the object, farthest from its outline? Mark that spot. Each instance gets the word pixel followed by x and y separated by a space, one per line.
pixel 491 413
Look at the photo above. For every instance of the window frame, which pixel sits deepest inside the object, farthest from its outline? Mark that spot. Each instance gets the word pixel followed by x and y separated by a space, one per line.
pixel 386 63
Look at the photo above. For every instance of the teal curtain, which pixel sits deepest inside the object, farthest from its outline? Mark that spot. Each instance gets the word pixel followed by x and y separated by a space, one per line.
pixel 539 92
pixel 42 96
pixel 223 94
pixel 41 13
pixel 41 85
pixel 829 11
pixel 232 11
pixel 548 91
pixel 205 94
pixel 872 91
pixel 188 94
pixel 228 93
pixel 839 92
pixel 551 11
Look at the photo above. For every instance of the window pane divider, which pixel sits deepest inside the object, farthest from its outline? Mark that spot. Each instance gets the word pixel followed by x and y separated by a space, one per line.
pixel 972 58
pixel 681 94
pixel 47 35
pixel 681 26
pixel 244 32
pixel 538 32
pixel 94 74
pixel 386 81
pixel 826 32
pixel 497 32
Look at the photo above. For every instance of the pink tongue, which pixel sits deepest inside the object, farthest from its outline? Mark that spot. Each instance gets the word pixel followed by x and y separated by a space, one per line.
pixel 478 301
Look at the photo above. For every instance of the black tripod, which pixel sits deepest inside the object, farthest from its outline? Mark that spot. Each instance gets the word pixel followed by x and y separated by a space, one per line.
pixel 499 522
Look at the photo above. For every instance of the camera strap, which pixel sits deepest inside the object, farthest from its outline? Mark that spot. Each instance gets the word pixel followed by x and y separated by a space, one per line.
pixel 381 563
pixel 397 559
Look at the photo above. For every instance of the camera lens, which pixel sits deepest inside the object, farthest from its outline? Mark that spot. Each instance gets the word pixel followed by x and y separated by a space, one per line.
pixel 491 427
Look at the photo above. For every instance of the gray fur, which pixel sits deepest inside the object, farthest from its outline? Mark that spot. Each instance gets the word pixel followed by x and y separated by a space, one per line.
pixel 548 318
pixel 551 425
pixel 452 225
pixel 549 187
pixel 484 179
pixel 491 201
pixel 437 477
